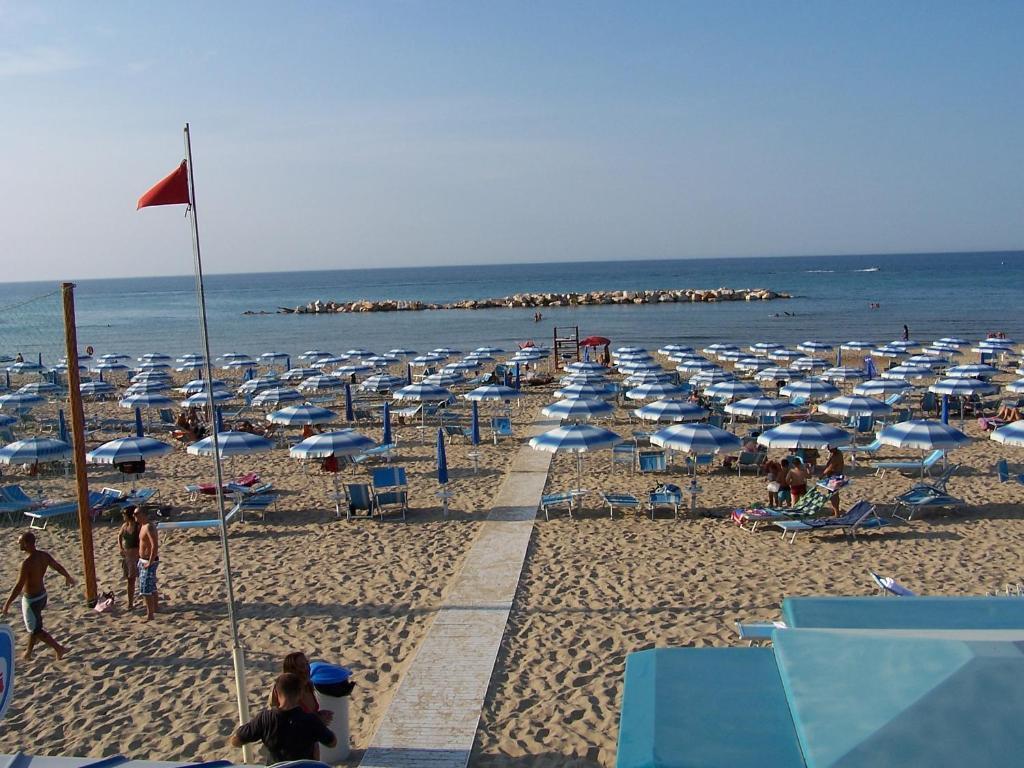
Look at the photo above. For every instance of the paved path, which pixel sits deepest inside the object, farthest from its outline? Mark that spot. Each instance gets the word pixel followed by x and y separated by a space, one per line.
pixel 433 718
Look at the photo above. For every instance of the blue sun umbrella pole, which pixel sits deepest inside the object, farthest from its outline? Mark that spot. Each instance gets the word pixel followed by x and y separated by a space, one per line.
pixel 349 413
pixel 945 409
pixel 386 417
pixel 139 431
pixel 474 425
pixel 516 381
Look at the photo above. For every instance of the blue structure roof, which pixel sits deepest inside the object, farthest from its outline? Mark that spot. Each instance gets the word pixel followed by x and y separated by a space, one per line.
pixel 904 613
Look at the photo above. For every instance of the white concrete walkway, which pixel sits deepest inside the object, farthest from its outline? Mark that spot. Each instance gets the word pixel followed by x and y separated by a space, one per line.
pixel 433 718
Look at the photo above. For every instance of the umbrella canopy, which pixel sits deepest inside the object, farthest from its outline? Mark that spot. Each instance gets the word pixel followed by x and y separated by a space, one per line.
pixel 127 449
pixel 654 391
pixel 931 360
pixel 302 415
pixel 343 442
pixel 972 371
pixel 199 385
pixel 632 366
pixel 239 364
pixel 585 390
pixel 34 450
pixel 277 396
pixel 145 387
pixel 442 459
pixel 348 369
pixel 595 341
pixel 6 421
pixel 812 389
pixel 474 424
pixel 385 418
pixel 857 346
pixel 114 357
pixel 1016 387
pixel 575 438
pixel 785 354
pixel 154 357
pixel 757 407
pixel 494 392
pixel 400 352
pixel 272 357
pixel 671 410
pixel 844 373
pixel 670 349
pixel 270 381
pixel 925 434
pixel 644 377
pixel 1010 434
pixel 764 346
pixel 733 390
pixel 154 365
pixel 814 346
pixel 315 354
pixel 697 366
pixel 321 383
pixel 714 349
pixel 444 378
pixel 232 444
pixel 577 408
pixel 94 388
pixel 20 400
pixel 752 364
pixel 962 387
pixel 40 388
pixel 108 366
pixel 298 374
pixel 778 373
pixel 696 438
pixel 199 399
pixel 733 355
pixel 423 392
pixel 27 367
pixel 856 405
pixel 803 434
pixel 889 351
pixel 430 358
pixel 593 377
pixel 146 400
pixel 382 382
pixel 707 378
pixel 809 364
pixel 585 367
pixel 881 387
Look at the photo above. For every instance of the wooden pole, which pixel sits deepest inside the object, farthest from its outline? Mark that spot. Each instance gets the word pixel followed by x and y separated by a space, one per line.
pixel 78 443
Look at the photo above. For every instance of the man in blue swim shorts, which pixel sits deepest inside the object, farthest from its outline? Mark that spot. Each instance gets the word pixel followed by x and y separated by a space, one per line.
pixel 32 589
pixel 149 559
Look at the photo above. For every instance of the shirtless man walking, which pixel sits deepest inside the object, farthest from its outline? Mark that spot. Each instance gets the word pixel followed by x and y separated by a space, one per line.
pixel 149 559
pixel 32 589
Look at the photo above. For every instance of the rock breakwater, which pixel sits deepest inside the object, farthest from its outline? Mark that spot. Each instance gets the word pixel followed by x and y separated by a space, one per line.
pixel 539 301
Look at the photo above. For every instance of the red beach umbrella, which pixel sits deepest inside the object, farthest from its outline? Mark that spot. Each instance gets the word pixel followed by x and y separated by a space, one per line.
pixel 595 341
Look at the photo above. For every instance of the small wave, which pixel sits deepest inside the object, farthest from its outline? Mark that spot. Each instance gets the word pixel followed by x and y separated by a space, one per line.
pixel 819 271
pixel 868 269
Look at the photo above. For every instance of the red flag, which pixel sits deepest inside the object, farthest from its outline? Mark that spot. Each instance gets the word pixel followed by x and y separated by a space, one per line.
pixel 170 190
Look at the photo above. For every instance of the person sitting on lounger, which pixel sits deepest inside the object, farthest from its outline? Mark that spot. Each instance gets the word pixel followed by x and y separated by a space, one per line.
pixel 1008 411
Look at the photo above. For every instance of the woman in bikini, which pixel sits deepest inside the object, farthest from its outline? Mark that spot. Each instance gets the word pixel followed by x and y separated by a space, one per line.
pixel 128 545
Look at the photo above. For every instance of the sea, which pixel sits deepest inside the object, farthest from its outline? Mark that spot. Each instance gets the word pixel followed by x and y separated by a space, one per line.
pixel 834 299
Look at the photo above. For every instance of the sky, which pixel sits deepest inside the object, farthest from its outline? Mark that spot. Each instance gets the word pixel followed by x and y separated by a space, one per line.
pixel 370 134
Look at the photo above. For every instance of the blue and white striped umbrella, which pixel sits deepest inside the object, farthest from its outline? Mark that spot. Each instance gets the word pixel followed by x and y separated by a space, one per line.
pixel 34 450
pixel 997 344
pixel 232 444
pixel 493 392
pixel 575 438
pixel 199 385
pixel 732 355
pixel 785 355
pixel 7 421
pixel 445 379
pixel 109 367
pixel 672 349
pixel 238 365
pixel 154 357
pixel 655 391
pixel 235 356
pixel 585 390
pixel 489 351
pixel 423 361
pixel 95 388
pixel 315 354
pixel 20 400
pixel 881 387
pixel 127 449
pixel 733 390
pixel 972 371
pixel 277 396
pixel 670 410
pixel 962 387
pixel 932 361
pixel 590 377
pixel 643 377
pixel 422 392
pixel 714 349
pixel 293 375
pixel 259 384
pixel 844 373
pixel 62 367
pixel 627 350
pixel 809 364
pixel 637 354
pixel 697 366
pixel 40 388
pixel 857 346
pixel 154 365
pixel 752 364
pixel 904 343
pixel 147 387
pixel 446 351
pixel 112 357
pixel 466 364
pixel 925 434
pixel 778 373
pixel 146 400
pixel 812 389
pixel 381 361
pixel 632 366
pixel 343 442
pixel 889 351
pixel 586 367
pixel 25 367
pixel 527 356
pixel 577 408
pixel 954 341
pixel 814 346
pixel 938 350
pixel 273 357
pixel 700 439
pixel 357 367
pixel 199 399
pixel 759 407
pixel 764 346
pixel 190 358
pixel 908 371
pixel 1010 434
pixel 302 415
pixel 321 383
pixel 402 352
pixel 326 362
pixel 192 365
pixel 803 434
pixel 1017 387
pixel 150 376
pixel 856 405
pixel 680 357
pixel 381 382
pixel 707 378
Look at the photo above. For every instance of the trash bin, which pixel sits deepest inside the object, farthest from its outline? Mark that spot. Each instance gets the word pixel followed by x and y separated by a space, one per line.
pixel 333 686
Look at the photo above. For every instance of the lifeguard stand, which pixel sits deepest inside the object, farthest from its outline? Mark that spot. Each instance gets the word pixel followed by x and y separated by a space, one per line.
pixel 566 345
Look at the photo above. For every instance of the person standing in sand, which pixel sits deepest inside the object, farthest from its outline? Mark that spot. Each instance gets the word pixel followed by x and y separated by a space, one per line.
pixel 833 467
pixel 128 546
pixel 32 589
pixel 149 559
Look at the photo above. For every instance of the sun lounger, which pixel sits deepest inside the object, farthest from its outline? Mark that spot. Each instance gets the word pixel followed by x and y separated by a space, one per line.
pixel 360 499
pixel 384 451
pixel 563 499
pixel 390 490
pixel 811 503
pixel 1004 475
pixel 651 461
pixel 923 498
pixel 922 467
pixel 750 459
pixel 620 500
pixel 889 586
pixel 665 497
pixel 625 453
pixel 501 426
pixel 40 516
pixel 861 514
pixel 210 489
pixel 190 524
pixel 758 632
pixel 452 431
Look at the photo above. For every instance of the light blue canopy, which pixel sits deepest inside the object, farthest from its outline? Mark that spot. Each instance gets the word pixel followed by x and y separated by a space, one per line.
pixel 964 387
pixel 128 449
pixel 696 438
pixel 231 444
pixel 755 407
pixel 34 450
pixel 423 392
pixel 302 415
pixel 496 392
pixel 855 405
pixel 803 434
pixel 812 389
pixel 1010 434
pixel 925 434
pixel 577 408
pixel 671 410
pixel 343 442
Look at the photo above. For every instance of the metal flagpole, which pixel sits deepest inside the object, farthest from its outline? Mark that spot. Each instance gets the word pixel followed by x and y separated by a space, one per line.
pixel 237 656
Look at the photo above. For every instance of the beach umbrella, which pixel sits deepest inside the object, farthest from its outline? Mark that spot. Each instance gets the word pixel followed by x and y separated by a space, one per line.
pixel 493 392
pixel 944 415
pixel 844 373
pixel 199 399
pixel 194 365
pixel 904 343
pixel 342 442
pixel 881 387
pixel 764 346
pixel 325 362
pixel 422 361
pixel 444 378
pixel 680 357
pixel 714 349
pixel 147 387
pixel 298 374
pixel 814 346
pixel 702 439
pixel 638 378
pixel 380 361
pixel 784 355
pixel 400 352
pixel 321 383
pixel 585 390
pixel 145 400
pixel 357 353
pixel 269 358
pixel 697 366
pixel 707 378
pixel 466 364
pixel 474 424
pixel 40 388
pixel 113 357
pixel 260 384
pixel 855 405
pixel 315 354
pixel 63 368
pixel 199 385
pixel 350 414
pixel 889 351
pixel 446 351
pixel 442 462
pixel 803 434
pixel 154 357
pixel 811 389
pixel 235 356
pixel 733 390
pixel 95 388
pixel 759 407
pixel 953 341
pixel 302 415
pixel 1010 434
pixel 593 377
pixel 422 392
pixel 752 364
pixel 239 365
pixel 150 376
pixel 997 345
pixel 924 434
pixel 732 355
pixel 1016 387
pixel 575 438
pixel 276 396
pixel 577 408
pixel 671 349
pixel 857 346
pixel 353 369
pixel 20 400
pixel 654 391
pixel 489 351
pixel 932 361
pixel 232 444
pixel 27 367
pixel 386 419
pixel 670 410
pixel 973 371
pixel 585 367
pixel 128 449
pixel 109 367
pixel 809 364
pixel 381 382
pixel 34 450
pixel 962 387
pixel 634 357
pixel 190 358
pixel 778 373
pixel 154 366
pixel 6 421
